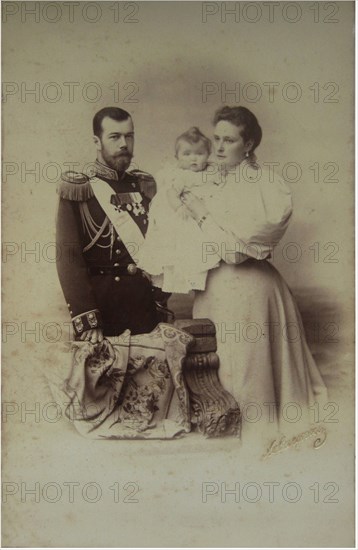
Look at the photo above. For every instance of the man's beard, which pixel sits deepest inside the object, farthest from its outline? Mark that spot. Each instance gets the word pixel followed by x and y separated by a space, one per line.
pixel 119 162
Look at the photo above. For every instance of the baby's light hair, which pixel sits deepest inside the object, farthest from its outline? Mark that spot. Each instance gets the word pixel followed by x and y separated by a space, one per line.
pixel 192 136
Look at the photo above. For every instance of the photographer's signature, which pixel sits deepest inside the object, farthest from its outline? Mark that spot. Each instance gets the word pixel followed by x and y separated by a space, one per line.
pixel 282 444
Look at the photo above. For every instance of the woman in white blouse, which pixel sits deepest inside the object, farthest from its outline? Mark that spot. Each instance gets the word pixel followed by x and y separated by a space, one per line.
pixel 265 362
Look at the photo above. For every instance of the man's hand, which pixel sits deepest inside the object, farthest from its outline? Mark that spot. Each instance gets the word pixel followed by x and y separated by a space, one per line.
pixel 160 296
pixel 95 335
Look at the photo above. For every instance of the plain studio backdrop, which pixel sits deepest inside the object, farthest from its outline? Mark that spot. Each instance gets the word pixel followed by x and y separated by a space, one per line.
pixel 171 65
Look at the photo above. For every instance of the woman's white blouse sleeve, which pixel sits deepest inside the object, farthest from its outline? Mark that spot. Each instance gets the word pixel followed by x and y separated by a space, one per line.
pixel 248 218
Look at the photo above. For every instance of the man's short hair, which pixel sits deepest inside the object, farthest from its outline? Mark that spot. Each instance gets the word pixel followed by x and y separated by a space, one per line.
pixel 112 112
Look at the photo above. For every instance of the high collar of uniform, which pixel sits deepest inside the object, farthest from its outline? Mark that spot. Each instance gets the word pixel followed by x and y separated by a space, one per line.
pixel 102 170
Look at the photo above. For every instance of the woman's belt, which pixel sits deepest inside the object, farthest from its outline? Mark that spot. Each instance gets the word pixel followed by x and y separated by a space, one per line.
pixel 130 269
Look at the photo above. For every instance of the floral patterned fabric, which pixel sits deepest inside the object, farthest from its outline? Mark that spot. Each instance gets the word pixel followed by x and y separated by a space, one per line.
pixel 124 387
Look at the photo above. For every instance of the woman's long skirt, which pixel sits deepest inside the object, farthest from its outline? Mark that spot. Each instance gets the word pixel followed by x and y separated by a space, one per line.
pixel 265 362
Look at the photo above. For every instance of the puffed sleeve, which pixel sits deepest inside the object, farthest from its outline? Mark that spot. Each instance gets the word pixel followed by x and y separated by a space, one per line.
pixel 248 218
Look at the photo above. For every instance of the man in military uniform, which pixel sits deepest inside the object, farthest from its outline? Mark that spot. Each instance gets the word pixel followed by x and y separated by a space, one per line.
pixel 101 223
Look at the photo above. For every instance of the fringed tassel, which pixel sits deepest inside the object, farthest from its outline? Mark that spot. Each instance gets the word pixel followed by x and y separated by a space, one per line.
pixel 75 191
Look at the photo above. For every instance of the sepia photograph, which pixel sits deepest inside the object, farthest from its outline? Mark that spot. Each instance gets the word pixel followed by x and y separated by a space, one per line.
pixel 178 274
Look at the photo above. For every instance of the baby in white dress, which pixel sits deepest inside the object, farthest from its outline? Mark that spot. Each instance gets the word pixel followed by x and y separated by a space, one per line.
pixel 175 252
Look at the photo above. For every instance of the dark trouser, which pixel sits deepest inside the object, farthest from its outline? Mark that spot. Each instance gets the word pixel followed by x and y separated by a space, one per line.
pixel 125 304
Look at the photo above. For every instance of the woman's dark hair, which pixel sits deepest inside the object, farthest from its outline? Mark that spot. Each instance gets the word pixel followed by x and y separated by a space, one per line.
pixel 193 136
pixel 112 112
pixel 240 116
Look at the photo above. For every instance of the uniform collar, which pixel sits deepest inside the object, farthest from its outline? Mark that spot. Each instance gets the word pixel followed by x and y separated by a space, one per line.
pixel 102 170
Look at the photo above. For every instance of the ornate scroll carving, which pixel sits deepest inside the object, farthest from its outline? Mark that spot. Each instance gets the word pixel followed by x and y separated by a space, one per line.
pixel 214 410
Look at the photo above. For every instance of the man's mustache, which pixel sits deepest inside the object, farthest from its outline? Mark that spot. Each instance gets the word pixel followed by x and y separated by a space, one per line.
pixel 124 154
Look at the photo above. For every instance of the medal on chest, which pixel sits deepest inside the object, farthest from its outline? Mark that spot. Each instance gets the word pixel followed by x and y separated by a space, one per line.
pixel 130 202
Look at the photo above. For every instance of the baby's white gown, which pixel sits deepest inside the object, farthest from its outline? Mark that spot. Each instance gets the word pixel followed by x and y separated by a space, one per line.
pixel 175 252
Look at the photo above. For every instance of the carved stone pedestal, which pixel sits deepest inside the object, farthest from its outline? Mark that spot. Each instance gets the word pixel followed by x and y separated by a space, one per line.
pixel 214 410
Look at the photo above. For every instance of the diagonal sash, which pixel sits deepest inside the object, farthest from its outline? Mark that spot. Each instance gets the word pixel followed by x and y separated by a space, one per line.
pixel 123 223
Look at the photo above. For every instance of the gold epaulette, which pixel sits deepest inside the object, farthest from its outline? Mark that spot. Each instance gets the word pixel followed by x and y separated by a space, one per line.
pixel 146 181
pixel 75 186
pixel 141 174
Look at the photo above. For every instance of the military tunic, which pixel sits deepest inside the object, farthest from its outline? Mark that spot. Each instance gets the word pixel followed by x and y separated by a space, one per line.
pixel 102 286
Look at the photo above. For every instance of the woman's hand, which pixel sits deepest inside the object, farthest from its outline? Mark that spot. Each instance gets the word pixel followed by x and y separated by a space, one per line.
pixel 195 207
